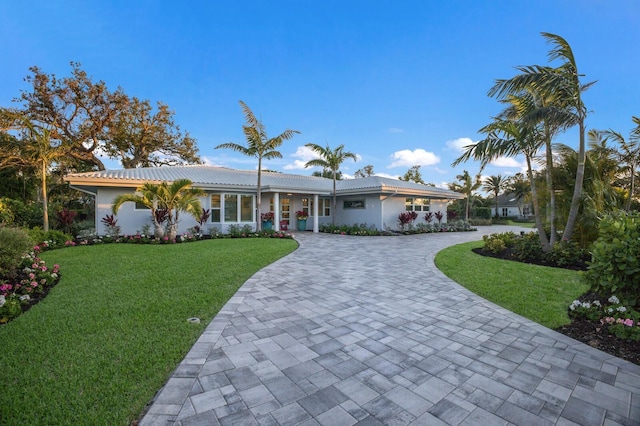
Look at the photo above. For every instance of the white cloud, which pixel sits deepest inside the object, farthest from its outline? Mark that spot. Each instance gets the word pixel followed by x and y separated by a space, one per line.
pixel 386 175
pixel 417 157
pixel 395 130
pixel 506 162
pixel 459 144
pixel 304 154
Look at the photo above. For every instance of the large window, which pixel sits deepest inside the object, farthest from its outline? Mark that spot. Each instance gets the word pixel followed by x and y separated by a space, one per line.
pixel 417 204
pixel 324 206
pixel 232 208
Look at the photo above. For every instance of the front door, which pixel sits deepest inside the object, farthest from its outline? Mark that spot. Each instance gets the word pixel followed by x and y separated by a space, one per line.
pixel 285 213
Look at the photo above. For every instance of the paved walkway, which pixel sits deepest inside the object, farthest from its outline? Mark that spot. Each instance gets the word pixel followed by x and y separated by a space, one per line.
pixel 366 330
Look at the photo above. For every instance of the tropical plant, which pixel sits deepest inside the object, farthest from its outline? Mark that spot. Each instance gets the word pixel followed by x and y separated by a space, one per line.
pixel 629 156
pixel 65 217
pixel 495 184
pixel 259 145
pixel 34 148
pixel 467 186
pixel 330 159
pixel 301 215
pixel 179 196
pixel 406 219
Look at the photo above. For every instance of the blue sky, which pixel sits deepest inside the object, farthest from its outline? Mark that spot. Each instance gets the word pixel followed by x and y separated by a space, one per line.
pixel 398 83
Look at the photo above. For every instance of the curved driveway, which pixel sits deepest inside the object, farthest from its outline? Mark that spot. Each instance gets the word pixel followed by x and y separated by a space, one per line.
pixel 366 330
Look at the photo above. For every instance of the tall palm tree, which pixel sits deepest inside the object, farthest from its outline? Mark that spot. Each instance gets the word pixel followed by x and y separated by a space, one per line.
pixel 495 184
pixel 179 196
pixel 467 186
pixel 260 146
pixel 330 159
pixel 562 88
pixel 629 155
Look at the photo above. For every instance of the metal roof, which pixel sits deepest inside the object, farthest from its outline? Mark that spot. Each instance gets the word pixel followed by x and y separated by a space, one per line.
pixel 222 178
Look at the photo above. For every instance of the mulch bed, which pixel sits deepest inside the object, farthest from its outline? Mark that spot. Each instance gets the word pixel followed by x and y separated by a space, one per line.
pixel 589 332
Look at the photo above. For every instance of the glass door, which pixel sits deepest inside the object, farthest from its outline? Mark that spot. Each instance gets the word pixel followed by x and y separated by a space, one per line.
pixel 285 213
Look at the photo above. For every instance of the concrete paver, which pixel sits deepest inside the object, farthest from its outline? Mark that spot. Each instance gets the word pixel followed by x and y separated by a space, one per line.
pixel 366 330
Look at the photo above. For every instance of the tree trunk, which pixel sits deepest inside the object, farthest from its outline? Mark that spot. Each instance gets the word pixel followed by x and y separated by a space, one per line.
pixel 259 197
pixel 577 190
pixel 550 188
pixel 544 241
pixel 333 212
pixel 45 202
pixel 632 185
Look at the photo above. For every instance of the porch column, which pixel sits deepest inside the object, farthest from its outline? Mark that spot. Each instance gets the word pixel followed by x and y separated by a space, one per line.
pixel 315 213
pixel 276 211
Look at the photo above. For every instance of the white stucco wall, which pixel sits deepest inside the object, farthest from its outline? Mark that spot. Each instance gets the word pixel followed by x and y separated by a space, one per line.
pixel 369 214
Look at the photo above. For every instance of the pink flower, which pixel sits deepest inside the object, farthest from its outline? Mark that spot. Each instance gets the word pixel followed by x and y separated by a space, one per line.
pixel 36 248
pixel 166 238
pixel 628 322
pixel 43 269
pixel 32 275
pixel 34 284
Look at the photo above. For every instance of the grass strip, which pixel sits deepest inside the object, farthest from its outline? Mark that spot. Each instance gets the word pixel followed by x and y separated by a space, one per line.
pixel 106 338
pixel 539 293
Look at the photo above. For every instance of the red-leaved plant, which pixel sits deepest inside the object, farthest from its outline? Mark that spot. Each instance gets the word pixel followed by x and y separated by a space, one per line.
pixel 406 218
pixel 428 216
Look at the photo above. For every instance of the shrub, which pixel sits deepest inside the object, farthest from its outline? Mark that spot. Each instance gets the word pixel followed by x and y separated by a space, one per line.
pixel 565 253
pixel 50 239
pixel 480 222
pixel 528 248
pixel 405 219
pixel 482 213
pixel 493 244
pixel 22 214
pixel 615 261
pixel 14 243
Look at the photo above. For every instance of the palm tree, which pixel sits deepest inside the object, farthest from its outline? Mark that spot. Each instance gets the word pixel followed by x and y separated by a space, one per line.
pixel 33 149
pixel 179 196
pixel 330 159
pixel 260 146
pixel 518 185
pixel 630 155
pixel 495 184
pixel 509 137
pixel 560 89
pixel 467 186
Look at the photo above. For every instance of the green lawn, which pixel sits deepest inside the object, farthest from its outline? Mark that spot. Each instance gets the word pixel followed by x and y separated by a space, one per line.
pixel 97 349
pixel 539 293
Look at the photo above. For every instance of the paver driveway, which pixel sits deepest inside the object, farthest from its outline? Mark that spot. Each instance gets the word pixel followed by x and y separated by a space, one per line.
pixel 366 330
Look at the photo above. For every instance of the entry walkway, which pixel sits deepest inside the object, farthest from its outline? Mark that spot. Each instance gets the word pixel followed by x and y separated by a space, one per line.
pixel 366 330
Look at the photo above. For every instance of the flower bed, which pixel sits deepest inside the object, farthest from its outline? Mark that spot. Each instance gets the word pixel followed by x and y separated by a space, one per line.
pixel 31 284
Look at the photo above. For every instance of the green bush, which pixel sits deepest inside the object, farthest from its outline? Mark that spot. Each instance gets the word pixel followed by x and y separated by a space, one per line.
pixel 528 247
pixel 14 243
pixel 20 213
pixel 482 213
pixel 50 239
pixel 565 253
pixel 480 222
pixel 615 258
pixel 496 243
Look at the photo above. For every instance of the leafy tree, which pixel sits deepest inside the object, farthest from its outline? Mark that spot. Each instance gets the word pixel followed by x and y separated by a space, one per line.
pixel 328 174
pixel 259 145
pixel 330 159
pixel 413 175
pixel 495 184
pixel 520 188
pixel 76 110
pixel 364 172
pixel 141 137
pixel 467 186
pixel 179 196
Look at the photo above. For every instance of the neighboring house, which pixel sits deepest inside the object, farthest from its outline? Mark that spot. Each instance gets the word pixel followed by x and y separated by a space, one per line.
pixel 231 197
pixel 510 206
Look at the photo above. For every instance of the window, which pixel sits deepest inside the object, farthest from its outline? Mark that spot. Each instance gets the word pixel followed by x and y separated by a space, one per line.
pixel 230 207
pixel 236 207
pixel 505 212
pixel 417 204
pixel 140 206
pixel 324 207
pixel 307 206
pixel 215 208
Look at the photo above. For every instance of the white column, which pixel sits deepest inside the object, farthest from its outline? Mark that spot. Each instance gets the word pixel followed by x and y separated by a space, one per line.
pixel 276 212
pixel 315 213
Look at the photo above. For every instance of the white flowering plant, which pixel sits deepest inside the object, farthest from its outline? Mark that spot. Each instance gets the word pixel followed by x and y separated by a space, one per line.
pixel 620 320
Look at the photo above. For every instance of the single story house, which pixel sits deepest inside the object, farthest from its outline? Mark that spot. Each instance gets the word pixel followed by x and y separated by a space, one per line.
pixel 510 206
pixel 231 197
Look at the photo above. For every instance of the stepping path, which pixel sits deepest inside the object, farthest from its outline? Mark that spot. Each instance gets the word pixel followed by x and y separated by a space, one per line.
pixel 366 330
